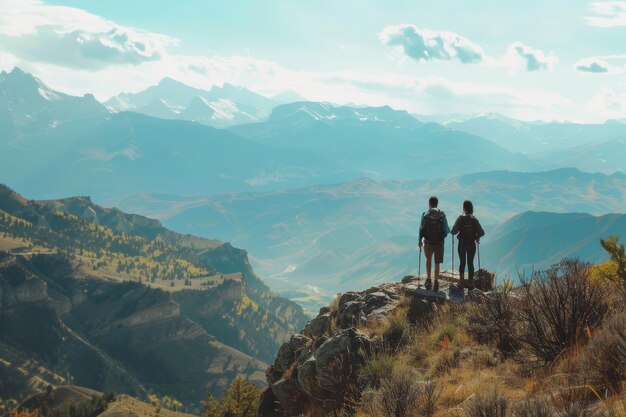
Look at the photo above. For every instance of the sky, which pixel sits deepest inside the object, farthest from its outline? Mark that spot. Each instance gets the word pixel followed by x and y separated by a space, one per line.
pixel 532 60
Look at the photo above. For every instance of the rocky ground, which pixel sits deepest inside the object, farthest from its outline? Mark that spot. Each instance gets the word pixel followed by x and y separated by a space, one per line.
pixel 319 365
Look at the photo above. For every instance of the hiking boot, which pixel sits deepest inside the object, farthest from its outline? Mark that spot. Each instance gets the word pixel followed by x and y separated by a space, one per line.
pixel 436 287
pixel 470 286
pixel 428 284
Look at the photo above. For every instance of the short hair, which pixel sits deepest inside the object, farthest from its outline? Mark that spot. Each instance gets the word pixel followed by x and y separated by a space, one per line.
pixel 433 201
pixel 468 207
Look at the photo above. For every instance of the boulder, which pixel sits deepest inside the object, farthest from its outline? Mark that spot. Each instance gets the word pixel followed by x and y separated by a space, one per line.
pixel 287 355
pixel 268 405
pixel 350 314
pixel 319 326
pixel 339 360
pixel 292 398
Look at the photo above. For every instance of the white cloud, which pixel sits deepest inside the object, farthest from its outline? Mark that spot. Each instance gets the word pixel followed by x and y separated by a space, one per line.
pixel 74 38
pixel 596 65
pixel 607 14
pixel 427 45
pixel 520 56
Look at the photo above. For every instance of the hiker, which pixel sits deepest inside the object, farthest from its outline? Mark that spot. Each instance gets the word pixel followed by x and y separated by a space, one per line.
pixel 469 233
pixel 433 229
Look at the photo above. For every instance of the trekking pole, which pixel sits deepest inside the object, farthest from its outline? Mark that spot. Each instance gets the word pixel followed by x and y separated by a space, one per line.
pixel 452 272
pixel 419 264
pixel 478 250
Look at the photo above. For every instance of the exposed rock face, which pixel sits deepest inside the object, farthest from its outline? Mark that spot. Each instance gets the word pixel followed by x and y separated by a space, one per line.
pixel 321 365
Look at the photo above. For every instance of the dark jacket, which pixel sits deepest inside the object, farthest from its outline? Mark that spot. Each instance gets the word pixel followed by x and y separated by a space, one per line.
pixel 465 219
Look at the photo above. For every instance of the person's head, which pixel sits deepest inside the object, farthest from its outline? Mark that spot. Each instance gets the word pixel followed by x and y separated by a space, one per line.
pixel 433 202
pixel 468 207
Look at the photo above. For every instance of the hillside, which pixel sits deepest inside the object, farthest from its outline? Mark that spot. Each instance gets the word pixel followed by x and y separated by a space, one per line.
pixel 399 350
pixel 145 307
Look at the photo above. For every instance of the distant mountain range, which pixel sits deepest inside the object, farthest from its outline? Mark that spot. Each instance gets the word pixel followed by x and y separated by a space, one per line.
pixel 113 301
pixel 589 147
pixel 109 155
pixel 219 107
pixel 352 234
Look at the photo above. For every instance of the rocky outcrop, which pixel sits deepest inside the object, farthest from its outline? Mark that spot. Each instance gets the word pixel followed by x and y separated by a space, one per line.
pixel 321 365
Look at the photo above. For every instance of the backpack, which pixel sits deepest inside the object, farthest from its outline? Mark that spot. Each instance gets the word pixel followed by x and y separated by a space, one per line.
pixel 467 229
pixel 434 226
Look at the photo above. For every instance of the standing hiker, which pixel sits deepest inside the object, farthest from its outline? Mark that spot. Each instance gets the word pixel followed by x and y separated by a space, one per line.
pixel 433 230
pixel 469 233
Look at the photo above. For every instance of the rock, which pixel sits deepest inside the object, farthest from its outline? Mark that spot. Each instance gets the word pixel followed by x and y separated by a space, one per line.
pixel 319 326
pixel 307 377
pixel 324 310
pixel 287 355
pixel 292 399
pixel 420 310
pixel 339 360
pixel 268 405
pixel 347 297
pixel 350 314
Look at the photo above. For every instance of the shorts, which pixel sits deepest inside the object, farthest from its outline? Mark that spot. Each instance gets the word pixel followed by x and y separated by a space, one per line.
pixel 437 250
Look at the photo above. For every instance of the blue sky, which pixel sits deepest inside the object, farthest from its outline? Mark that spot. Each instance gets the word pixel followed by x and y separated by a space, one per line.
pixel 531 60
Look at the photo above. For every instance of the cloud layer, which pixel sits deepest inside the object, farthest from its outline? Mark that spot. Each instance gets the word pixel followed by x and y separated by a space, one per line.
pixel 428 45
pixel 32 30
pixel 607 14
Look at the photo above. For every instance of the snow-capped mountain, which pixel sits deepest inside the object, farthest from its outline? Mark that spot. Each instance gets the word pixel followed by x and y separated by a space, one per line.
pixel 26 100
pixel 223 106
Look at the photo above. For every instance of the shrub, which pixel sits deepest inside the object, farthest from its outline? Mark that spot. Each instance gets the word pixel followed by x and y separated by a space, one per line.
pixel 398 395
pixel 395 327
pixel 557 305
pixel 241 399
pixel 532 407
pixel 492 321
pixel 617 273
pixel 604 361
pixel 492 404
pixel 378 367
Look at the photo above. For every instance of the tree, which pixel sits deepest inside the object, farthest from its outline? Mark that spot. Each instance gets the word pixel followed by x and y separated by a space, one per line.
pixel 615 270
pixel 240 400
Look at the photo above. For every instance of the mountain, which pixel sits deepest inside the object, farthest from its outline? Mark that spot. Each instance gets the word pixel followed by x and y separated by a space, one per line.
pixel 127 153
pixel 600 156
pixel 380 142
pixel 114 301
pixel 219 107
pixel 27 103
pixel 535 138
pixel 535 240
pixel 314 241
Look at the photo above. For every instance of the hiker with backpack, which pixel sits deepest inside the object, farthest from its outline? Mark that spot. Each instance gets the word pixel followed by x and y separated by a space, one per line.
pixel 469 233
pixel 433 230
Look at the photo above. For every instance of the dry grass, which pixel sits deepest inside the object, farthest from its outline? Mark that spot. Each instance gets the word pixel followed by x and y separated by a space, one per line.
pixel 585 378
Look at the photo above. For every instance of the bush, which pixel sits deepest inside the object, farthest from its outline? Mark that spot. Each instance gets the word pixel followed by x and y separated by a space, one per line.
pixel 395 327
pixel 617 273
pixel 492 321
pixel 532 407
pixel 604 361
pixel 398 395
pixel 492 404
pixel 557 305
pixel 378 367
pixel 241 399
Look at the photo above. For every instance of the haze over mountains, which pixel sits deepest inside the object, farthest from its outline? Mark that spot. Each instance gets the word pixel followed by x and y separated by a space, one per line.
pixel 362 232
pixel 333 192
